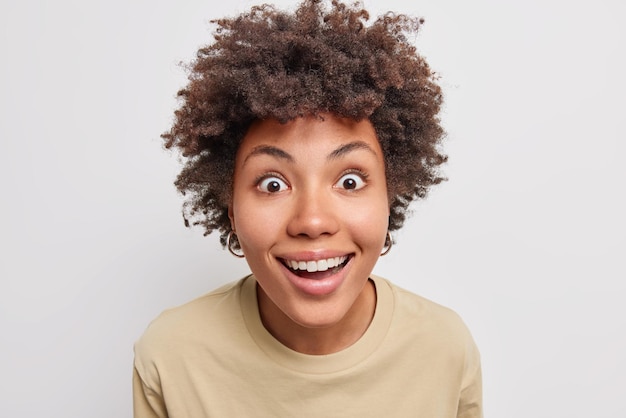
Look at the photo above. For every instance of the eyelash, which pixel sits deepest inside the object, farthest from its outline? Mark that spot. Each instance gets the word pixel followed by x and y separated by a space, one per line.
pixel 361 173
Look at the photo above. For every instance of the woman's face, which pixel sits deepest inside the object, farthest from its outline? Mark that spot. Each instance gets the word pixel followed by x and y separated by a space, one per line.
pixel 310 210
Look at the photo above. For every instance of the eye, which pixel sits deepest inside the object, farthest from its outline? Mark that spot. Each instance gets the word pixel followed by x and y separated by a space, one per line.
pixel 351 181
pixel 272 184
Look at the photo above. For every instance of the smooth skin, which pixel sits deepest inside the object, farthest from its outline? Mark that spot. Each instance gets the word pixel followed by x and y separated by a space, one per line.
pixel 309 190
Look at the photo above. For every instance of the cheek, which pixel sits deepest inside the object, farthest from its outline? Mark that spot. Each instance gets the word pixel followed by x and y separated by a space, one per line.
pixel 257 227
pixel 369 223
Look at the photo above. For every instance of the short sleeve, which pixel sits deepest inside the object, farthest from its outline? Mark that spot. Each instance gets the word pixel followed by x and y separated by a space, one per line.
pixel 147 402
pixel 470 400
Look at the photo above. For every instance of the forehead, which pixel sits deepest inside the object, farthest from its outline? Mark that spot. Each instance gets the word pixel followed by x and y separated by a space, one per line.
pixel 309 134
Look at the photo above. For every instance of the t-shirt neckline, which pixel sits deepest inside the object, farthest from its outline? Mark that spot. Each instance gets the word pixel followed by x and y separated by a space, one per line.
pixel 319 364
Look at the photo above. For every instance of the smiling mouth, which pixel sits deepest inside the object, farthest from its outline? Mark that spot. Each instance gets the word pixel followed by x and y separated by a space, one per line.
pixel 330 265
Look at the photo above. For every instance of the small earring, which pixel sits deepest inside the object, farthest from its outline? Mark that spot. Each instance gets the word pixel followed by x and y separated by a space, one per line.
pixel 230 242
pixel 388 244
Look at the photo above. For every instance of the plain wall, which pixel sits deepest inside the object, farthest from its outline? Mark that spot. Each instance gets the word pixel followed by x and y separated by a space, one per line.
pixel 525 240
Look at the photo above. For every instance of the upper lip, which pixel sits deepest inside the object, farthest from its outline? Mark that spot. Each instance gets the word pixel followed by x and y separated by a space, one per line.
pixel 313 255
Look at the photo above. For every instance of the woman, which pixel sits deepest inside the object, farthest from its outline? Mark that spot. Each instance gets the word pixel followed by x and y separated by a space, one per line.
pixel 306 136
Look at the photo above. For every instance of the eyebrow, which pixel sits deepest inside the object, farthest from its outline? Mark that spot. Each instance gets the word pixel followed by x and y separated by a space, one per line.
pixel 349 147
pixel 270 150
pixel 283 155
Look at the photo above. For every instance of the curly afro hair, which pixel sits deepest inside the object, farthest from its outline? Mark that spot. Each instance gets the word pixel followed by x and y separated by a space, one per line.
pixel 270 64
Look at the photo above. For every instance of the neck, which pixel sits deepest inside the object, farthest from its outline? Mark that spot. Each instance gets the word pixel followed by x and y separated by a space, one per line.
pixel 320 340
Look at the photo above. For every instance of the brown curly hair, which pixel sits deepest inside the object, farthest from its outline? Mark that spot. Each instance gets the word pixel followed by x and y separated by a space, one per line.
pixel 270 64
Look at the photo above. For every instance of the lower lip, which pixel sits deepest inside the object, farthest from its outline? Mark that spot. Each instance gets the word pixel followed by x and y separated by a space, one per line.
pixel 318 287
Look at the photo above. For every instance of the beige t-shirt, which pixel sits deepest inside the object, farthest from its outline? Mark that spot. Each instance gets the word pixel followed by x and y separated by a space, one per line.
pixel 212 357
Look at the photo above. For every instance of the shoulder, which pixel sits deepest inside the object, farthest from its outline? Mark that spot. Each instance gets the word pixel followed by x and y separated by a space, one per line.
pixel 179 328
pixel 430 323
pixel 436 343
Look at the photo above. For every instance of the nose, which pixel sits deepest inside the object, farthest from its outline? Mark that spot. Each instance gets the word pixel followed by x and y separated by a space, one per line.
pixel 313 215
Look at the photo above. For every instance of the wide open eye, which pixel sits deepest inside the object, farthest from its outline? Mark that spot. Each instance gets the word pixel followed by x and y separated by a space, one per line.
pixel 351 181
pixel 272 184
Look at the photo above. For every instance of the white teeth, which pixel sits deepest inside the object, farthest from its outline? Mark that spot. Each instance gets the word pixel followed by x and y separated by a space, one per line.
pixel 319 265
pixel 322 265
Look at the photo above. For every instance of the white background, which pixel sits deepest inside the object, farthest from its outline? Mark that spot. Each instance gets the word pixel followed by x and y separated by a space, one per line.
pixel 525 241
